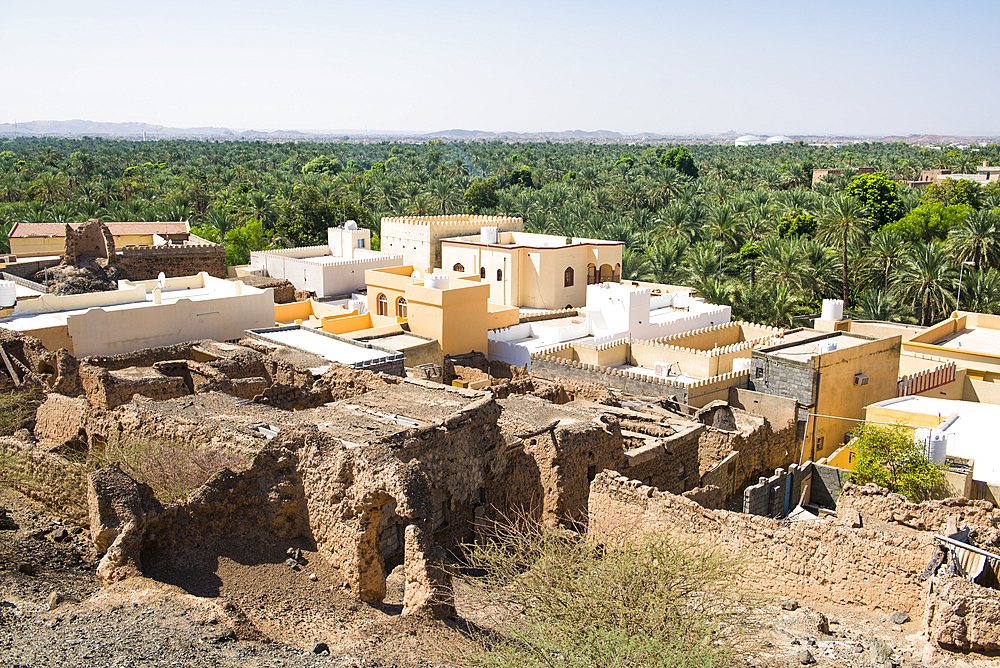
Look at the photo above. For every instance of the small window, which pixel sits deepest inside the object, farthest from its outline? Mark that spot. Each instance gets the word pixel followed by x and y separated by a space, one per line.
pixel 568 277
pixel 499 274
pixel 383 304
pixel 361 243
pixel 458 267
pixel 482 272
pixel 819 444
pixel 401 307
pixel 759 372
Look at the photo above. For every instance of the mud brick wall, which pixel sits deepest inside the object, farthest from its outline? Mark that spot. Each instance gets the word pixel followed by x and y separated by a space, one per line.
pixel 143 264
pixel 882 504
pixel 671 465
pixel 820 561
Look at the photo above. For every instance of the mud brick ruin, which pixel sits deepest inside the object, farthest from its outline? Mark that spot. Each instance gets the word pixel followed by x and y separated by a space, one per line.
pixel 372 471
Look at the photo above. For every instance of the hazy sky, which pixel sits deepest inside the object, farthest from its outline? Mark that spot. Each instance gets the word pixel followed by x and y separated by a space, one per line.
pixel 802 67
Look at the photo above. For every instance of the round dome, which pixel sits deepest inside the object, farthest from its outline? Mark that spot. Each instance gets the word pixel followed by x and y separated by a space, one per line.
pixel 350 225
pixel 778 139
pixel 415 274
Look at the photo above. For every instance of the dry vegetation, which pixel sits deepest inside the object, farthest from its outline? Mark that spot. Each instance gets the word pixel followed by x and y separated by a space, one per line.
pixel 565 600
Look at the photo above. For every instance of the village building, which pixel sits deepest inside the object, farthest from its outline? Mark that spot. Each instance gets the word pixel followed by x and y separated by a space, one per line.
pixel 614 311
pixel 142 250
pixel 541 271
pixel 833 375
pixel 451 307
pixel 143 314
pixel 418 238
pixel 336 269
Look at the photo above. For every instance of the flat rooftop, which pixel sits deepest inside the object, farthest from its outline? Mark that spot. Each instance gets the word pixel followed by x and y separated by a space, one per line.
pixel 973 339
pixel 322 345
pixel 972 435
pixel 808 349
pixel 399 342
pixel 38 320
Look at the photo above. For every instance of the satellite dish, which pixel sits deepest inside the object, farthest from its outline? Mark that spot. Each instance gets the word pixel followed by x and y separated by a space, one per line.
pixel 161 280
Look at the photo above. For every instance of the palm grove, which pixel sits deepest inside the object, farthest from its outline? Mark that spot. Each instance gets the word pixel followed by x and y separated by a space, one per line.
pixel 745 226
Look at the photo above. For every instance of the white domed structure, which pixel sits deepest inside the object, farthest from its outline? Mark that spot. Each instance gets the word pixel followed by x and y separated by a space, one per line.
pixel 779 139
pixel 748 140
pixel 350 225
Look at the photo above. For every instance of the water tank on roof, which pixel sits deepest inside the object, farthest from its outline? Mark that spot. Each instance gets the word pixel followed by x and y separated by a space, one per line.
pixel 833 309
pixel 937 446
pixel 350 225
pixel 8 294
pixel 437 281
pixel 489 234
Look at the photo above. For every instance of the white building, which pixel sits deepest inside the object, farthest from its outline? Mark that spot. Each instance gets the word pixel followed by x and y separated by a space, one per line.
pixel 614 311
pixel 338 268
pixel 144 314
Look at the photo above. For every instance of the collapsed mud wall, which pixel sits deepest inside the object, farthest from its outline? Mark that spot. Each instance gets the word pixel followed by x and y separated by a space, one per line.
pixel 872 567
pixel 883 505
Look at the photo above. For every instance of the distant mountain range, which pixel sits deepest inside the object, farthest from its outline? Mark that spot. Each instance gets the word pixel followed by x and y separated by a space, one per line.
pixel 147 131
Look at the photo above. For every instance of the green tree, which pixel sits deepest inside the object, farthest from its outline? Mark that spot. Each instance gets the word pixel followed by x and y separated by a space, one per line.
pixel 322 164
pixel 879 197
pixel 890 457
pixel 680 159
pixel 482 195
pixel 953 191
pixel 240 241
pixel 520 177
pixel 933 220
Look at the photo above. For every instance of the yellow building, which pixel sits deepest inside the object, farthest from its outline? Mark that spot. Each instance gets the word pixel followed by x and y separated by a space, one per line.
pixel 833 377
pixel 534 270
pixel 448 306
pixel 46 239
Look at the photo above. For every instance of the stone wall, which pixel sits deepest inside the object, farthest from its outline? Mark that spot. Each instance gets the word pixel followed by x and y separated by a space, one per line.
pixel 783 378
pixel 146 263
pixel 777 495
pixel 962 616
pixel 822 561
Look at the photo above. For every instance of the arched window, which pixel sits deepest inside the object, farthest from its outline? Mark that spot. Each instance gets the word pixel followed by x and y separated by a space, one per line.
pixel 616 274
pixel 592 276
pixel 383 304
pixel 607 274
pixel 499 274
pixel 458 267
pixel 568 277
pixel 482 272
pixel 401 307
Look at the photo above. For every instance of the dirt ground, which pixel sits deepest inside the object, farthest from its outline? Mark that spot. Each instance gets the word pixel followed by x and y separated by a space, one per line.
pixel 250 608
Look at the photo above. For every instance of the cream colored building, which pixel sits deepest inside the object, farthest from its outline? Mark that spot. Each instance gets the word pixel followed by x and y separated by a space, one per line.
pixel 418 238
pixel 833 377
pixel 534 270
pixel 45 239
pixel 447 306
pixel 140 315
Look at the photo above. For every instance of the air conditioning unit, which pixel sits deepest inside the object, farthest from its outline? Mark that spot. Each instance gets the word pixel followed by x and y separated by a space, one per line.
pixel 660 369
pixel 860 379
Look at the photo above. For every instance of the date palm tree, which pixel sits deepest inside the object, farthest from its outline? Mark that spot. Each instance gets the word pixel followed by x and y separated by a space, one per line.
pixel 926 278
pixel 844 222
pixel 977 238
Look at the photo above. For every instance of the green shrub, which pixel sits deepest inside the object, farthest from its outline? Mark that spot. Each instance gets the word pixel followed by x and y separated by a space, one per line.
pixel 889 457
